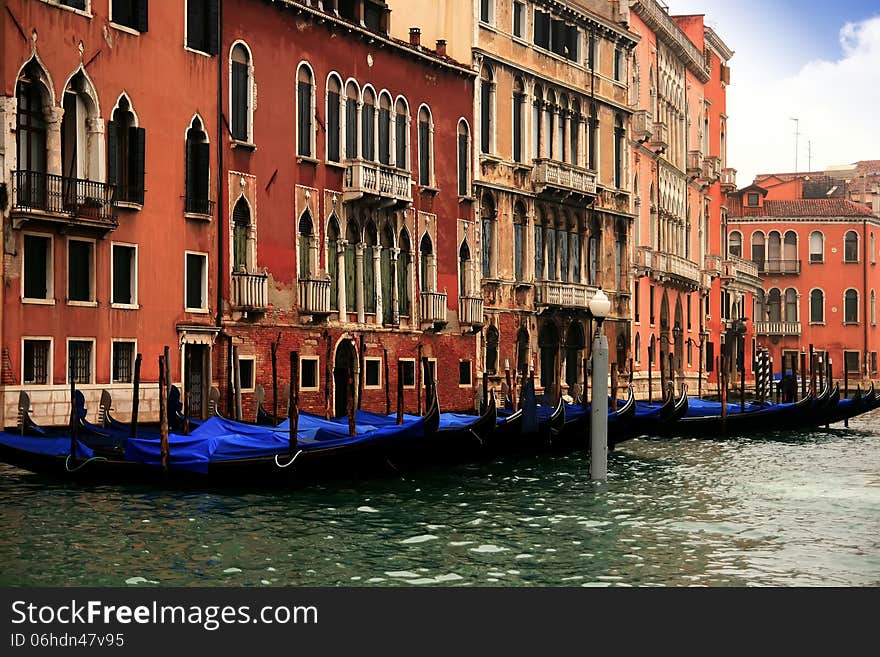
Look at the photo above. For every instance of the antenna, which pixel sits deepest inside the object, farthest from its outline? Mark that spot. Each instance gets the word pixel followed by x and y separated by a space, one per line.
pixel 809 155
pixel 796 135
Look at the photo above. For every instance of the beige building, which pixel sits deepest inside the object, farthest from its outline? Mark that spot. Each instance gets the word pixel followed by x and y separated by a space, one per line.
pixel 551 179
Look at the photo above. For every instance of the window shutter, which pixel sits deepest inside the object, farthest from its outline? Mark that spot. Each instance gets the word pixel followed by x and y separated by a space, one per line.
pixel 424 154
pixel 401 143
pixel 195 24
pixel 112 153
pixel 239 101
pixel 190 187
pixel 351 128
pixel 137 149
pixel 202 152
pixel 485 116
pixel 211 27
pixel 333 126
pixel 141 15
pixel 304 112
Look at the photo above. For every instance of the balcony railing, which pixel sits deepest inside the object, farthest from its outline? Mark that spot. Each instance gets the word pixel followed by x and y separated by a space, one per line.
pixel 712 265
pixel 372 179
pixel 643 125
pixel 250 291
pixel 777 328
pixel 694 163
pixel 553 176
pixel 683 268
pixel 470 311
pixel 741 270
pixel 711 168
pixel 199 206
pixel 780 267
pixel 660 138
pixel 566 295
pixel 60 198
pixel 728 178
pixel 314 296
pixel 434 307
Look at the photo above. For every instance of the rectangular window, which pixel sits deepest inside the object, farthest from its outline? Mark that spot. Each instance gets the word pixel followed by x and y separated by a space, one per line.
pixel 79 360
pixel 432 369
pixel 519 19
pixel 636 301
pixel 124 275
pixel 196 281
pixel 542 29
pixel 372 372
pixel 486 11
pixel 517 127
pixel 384 136
pixel 557 36
pixel 573 43
pixel 752 199
pixel 122 361
pixel 351 128
pixel 592 47
pixel 80 269
pixel 424 153
pixel 651 305
pixel 518 251
pixel 464 373
pixel 240 101
pixel 37 267
pixel 36 362
pixel 130 13
pixel 246 373
pixel 618 64
pixel 851 360
pixel 304 114
pixel 689 313
pixel 873 362
pixel 308 374
pixel 408 372
pixel 463 162
pixel 201 25
pixel 400 141
pixel 333 126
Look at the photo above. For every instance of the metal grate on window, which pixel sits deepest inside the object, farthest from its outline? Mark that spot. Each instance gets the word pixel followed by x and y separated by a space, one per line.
pixel 123 357
pixel 36 362
pixel 79 361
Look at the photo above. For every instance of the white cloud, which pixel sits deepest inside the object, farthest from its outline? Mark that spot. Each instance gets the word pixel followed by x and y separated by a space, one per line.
pixel 836 102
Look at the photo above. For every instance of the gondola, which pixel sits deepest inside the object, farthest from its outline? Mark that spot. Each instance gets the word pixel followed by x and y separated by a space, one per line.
pixel 576 431
pixel 649 419
pixel 530 427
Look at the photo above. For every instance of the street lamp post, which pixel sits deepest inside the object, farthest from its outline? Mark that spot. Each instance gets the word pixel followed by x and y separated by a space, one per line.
pixel 600 306
pixel 700 343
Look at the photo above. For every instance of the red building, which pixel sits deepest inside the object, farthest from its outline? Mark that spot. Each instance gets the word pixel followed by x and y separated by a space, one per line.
pixel 107 181
pixel 347 225
pixel 817 261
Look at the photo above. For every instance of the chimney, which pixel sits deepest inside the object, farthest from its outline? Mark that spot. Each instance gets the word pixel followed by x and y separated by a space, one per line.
pixel 441 47
pixel 415 36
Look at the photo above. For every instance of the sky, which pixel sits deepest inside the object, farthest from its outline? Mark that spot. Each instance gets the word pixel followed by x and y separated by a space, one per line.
pixel 815 61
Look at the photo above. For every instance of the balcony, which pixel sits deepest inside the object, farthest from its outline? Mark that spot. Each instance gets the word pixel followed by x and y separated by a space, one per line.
pixel 642 125
pixel 777 328
pixel 557 178
pixel 565 295
pixel 666 266
pixel 683 268
pixel 470 311
pixel 250 291
pixel 780 267
pixel 728 179
pixel 660 138
pixel 314 296
pixel 712 265
pixel 694 164
pixel 60 199
pixel 381 184
pixel 741 271
pixel 198 208
pixel 711 168
pixel 434 308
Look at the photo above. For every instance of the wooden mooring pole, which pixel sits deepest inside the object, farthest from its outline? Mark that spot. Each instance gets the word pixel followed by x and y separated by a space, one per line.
pixel 293 402
pixel 136 396
pixel 163 413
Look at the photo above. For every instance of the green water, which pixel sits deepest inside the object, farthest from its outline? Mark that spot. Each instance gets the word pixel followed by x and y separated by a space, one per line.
pixel 803 510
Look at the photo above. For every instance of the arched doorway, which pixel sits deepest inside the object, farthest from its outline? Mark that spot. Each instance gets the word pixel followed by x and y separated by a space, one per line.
pixel 548 343
pixel 679 337
pixel 574 346
pixel 344 367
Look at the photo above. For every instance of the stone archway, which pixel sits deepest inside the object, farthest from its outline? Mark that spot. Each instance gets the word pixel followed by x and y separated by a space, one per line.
pixel 344 369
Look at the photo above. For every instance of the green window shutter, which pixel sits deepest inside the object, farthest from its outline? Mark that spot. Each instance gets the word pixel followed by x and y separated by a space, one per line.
pixel 141 15
pixel 137 152
pixel 112 154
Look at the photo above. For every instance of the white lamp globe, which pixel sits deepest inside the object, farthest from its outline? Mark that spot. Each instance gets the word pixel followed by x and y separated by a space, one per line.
pixel 600 305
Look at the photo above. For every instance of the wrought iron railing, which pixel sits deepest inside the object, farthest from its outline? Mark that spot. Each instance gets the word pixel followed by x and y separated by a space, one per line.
pixel 36 191
pixel 203 206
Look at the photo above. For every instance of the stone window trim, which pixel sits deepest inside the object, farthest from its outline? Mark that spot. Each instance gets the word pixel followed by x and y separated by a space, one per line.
pixel 317 361
pixel 67 359
pixel 373 359
pixel 50 273
pixel 134 305
pixel 50 359
pixel 113 343
pixel 92 301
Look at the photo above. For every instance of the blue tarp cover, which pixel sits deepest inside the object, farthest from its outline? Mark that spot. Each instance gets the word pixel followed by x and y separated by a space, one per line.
pixel 58 446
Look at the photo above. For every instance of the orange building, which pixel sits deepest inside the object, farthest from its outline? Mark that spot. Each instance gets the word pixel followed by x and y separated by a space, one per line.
pixel 817 260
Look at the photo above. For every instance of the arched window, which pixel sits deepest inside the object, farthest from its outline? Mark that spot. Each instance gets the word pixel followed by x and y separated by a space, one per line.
pixel 80 144
pixel 368 125
pixel 519 241
pixel 817 307
pixel 306 238
pixel 386 274
pixel 464 158
pixel 851 246
pixel 548 341
pixel 197 169
pixel 487 218
pixel 352 238
pixel 404 260
pixel 426 147
pixel 126 144
pixel 519 104
pixel 574 148
pixel 241 225
pixel 522 350
pixel 32 95
pixel 593 256
pixel 548 127
pixel 574 346
pixel 464 270
pixel 562 246
pixel 619 151
pixel 552 265
pixel 332 261
pixel 539 247
pixel 370 253
pixel 851 307
pixel 491 350
pixel 790 262
pixel 774 305
pixel 352 96
pixel 760 306
pixel 873 309
pixel 620 260
pixel 735 244
pixel 426 263
pixel 487 109
pixel 537 105
pixel 305 94
pixel 637 349
pixel 561 129
pixel 574 251
pixel 385 129
pixel 652 349
pixel 774 252
pixel 401 134
pixel 758 252
pixel 817 247
pixel 791 305
pixel 241 92
pixel 334 125
pixel 593 138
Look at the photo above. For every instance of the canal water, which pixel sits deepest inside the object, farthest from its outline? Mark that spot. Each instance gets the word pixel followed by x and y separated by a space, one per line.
pixel 800 509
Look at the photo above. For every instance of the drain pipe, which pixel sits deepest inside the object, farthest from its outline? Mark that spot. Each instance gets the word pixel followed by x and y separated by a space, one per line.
pixel 220 142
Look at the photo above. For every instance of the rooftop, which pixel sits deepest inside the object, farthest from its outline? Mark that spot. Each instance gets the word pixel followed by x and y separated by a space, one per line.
pixel 822 207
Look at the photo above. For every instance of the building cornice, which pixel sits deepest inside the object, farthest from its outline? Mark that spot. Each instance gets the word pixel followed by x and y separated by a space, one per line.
pixel 591 22
pixel 669 32
pixel 872 220
pixel 715 43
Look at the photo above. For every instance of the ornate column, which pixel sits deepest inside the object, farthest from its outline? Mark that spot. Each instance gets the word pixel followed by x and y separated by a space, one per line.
pixel 359 281
pixel 53 116
pixel 377 276
pixel 313 255
pixel 395 297
pixel 96 168
pixel 340 278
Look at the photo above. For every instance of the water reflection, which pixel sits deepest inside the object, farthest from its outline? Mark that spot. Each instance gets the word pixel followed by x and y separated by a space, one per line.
pixel 800 510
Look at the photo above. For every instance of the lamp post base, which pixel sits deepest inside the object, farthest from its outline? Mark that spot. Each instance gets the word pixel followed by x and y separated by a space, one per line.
pixel 599 409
